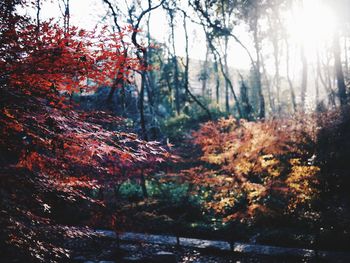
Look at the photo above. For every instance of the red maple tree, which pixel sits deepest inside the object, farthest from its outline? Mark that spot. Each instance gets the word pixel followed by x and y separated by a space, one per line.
pixel 50 153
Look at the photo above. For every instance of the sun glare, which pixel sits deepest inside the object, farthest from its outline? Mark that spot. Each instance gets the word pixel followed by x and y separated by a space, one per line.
pixel 311 24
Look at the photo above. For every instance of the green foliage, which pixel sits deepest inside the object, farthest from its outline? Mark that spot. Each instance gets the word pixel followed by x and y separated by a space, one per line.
pixel 175 128
pixel 179 127
pixel 167 191
pixel 130 190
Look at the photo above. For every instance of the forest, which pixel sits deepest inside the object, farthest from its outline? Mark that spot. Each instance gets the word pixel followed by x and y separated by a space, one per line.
pixel 223 123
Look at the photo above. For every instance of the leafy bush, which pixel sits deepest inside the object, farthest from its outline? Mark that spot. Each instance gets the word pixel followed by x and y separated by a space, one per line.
pixel 254 169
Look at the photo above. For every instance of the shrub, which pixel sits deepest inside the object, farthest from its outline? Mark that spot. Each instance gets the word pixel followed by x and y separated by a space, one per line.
pixel 254 169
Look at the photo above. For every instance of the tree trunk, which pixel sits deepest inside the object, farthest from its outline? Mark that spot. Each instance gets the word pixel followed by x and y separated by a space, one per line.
pixel 227 98
pixel 304 78
pixel 346 56
pixel 205 71
pixel 142 108
pixel 257 68
pixel 317 95
pixel 143 185
pixel 38 9
pixel 277 73
pixel 246 107
pixel 176 69
pixel 290 83
pixel 326 86
pixel 66 16
pixel 339 70
pixel 268 85
pixel 150 75
pixel 217 83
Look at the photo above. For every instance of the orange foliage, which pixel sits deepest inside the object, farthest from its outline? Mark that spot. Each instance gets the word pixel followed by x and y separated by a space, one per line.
pixel 254 168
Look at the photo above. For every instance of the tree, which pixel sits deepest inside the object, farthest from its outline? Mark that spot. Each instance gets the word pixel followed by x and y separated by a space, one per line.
pixel 52 155
pixel 171 13
pixel 339 70
pixel 304 77
pixel 342 8
pixel 251 12
pixel 213 29
pixel 246 107
pixel 186 71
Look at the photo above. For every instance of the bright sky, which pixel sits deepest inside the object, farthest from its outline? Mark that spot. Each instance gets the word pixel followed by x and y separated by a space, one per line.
pixel 311 25
pixel 88 13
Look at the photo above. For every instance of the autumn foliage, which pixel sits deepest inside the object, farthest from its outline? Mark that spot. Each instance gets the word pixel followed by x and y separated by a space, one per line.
pixel 50 153
pixel 56 159
pixel 255 168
